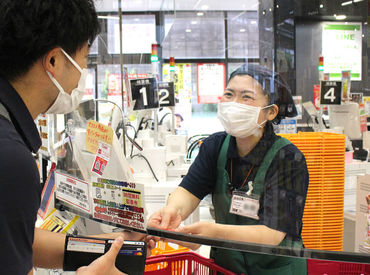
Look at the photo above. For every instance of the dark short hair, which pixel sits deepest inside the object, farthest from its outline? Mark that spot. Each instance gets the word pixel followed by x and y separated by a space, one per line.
pixel 29 29
pixel 274 87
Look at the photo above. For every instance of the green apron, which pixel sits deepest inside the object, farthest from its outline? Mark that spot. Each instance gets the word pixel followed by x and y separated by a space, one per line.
pixel 247 262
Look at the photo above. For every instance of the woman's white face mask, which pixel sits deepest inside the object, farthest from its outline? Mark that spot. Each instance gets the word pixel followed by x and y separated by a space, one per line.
pixel 66 103
pixel 240 120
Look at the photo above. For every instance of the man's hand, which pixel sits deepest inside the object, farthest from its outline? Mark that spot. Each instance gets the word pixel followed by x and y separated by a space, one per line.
pixel 105 264
pixel 131 236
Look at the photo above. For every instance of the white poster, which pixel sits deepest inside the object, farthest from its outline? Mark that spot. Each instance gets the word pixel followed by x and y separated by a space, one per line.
pixel 341 48
pixel 73 191
pixel 362 238
pixel 211 82
pixel 137 36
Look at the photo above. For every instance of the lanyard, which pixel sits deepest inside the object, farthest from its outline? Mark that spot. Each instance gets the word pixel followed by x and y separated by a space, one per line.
pixel 231 170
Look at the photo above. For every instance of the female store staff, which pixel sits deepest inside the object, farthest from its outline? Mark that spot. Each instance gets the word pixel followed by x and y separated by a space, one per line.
pixel 258 180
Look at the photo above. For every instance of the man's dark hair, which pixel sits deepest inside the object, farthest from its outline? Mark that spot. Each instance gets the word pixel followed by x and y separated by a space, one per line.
pixel 274 87
pixel 29 29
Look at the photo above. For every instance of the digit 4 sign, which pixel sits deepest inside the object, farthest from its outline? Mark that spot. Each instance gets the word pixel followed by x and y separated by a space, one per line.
pixel 330 92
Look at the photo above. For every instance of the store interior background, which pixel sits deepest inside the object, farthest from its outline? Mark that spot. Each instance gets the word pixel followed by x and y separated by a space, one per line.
pixel 284 35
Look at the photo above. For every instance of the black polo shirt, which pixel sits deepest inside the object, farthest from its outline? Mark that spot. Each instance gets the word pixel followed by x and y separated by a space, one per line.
pixel 19 183
pixel 286 182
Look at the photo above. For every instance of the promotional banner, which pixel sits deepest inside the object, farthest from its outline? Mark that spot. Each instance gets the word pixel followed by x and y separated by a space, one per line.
pixel 119 202
pixel 211 82
pixel 341 48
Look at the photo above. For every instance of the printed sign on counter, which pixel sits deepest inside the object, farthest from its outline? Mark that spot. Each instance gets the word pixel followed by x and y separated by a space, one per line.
pixel 96 132
pixel 73 191
pixel 102 157
pixel 119 202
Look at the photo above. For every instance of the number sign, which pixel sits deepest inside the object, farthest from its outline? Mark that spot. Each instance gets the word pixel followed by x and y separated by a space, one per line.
pixel 166 94
pixel 330 92
pixel 144 94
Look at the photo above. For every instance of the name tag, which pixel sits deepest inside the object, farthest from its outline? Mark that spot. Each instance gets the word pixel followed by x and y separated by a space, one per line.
pixel 244 205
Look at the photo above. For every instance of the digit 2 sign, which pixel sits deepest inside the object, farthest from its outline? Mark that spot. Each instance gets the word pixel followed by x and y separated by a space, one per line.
pixel 166 94
pixel 144 94
pixel 330 92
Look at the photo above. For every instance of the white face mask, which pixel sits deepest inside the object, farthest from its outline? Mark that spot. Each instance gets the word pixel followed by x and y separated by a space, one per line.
pixel 66 103
pixel 239 120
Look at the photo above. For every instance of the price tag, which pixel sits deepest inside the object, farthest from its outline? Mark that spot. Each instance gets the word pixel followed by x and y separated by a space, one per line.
pixel 166 94
pixel 330 92
pixel 144 94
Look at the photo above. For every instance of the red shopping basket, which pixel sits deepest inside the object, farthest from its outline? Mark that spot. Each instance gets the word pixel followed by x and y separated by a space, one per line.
pixel 319 267
pixel 184 263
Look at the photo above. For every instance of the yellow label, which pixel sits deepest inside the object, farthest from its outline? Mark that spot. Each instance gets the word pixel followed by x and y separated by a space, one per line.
pixel 96 131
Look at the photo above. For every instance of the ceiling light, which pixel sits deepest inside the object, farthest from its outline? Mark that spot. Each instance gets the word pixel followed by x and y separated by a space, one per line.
pixel 188 30
pixel 194 22
pixel 270 9
pixel 346 3
pixel 108 17
pixel 137 19
pixel 363 35
pixel 242 30
pixel 200 13
pixel 253 22
pixel 204 7
pixel 340 17
pixel 357 1
pixel 277 6
pixel 321 6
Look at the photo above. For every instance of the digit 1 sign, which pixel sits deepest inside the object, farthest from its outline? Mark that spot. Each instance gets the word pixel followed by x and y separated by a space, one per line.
pixel 166 94
pixel 144 94
pixel 330 92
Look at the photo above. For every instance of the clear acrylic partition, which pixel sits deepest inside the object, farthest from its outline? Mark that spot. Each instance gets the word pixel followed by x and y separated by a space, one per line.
pixel 287 37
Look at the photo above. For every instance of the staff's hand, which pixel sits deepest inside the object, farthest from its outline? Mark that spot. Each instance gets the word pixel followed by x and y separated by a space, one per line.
pixel 200 228
pixel 104 264
pixel 168 218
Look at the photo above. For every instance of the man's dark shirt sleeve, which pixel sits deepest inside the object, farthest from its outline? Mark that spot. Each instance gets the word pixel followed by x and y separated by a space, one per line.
pixel 20 197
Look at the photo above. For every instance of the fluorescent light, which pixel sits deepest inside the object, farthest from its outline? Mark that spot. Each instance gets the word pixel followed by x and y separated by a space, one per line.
pixel 194 22
pixel 137 19
pixel 357 1
pixel 242 30
pixel 200 13
pixel 108 17
pixel 346 3
pixel 340 17
pixel 253 22
pixel 188 30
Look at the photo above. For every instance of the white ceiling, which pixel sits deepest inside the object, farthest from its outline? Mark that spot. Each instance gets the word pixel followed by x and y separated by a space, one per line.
pixel 168 5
